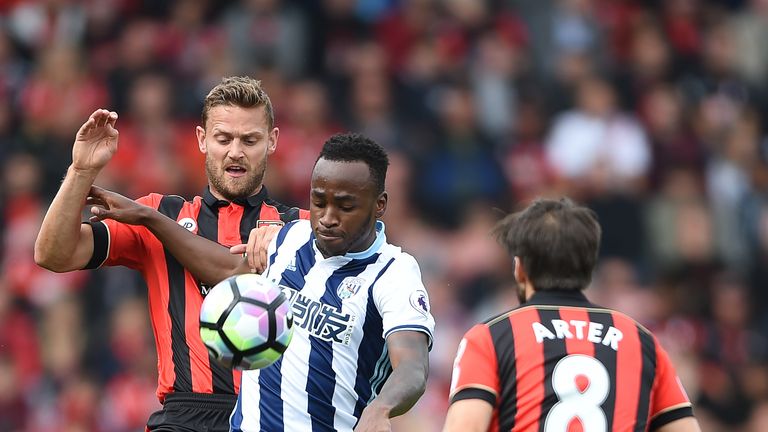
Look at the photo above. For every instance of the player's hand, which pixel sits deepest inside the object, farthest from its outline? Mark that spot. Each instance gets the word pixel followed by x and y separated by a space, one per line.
pixel 111 205
pixel 256 249
pixel 96 142
pixel 374 419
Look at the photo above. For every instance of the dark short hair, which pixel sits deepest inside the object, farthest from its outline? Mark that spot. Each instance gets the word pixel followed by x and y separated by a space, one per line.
pixel 557 242
pixel 239 91
pixel 354 147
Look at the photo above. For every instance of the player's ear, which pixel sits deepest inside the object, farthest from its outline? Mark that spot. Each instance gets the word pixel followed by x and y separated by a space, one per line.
pixel 520 276
pixel 200 132
pixel 381 205
pixel 274 134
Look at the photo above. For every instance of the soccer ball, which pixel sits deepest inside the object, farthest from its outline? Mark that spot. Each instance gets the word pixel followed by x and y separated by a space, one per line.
pixel 246 322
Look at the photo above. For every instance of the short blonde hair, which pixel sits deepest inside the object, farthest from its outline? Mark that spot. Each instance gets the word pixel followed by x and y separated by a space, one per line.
pixel 240 91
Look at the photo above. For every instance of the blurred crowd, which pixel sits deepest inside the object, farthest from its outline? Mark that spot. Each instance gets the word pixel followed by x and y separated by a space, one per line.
pixel 652 112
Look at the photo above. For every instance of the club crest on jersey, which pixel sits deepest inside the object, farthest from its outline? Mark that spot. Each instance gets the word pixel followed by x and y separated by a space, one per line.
pixel 189 224
pixel 349 287
pixel 420 301
pixel 260 223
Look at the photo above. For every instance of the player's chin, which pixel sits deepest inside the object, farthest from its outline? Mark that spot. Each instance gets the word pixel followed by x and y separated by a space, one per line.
pixel 332 245
pixel 238 187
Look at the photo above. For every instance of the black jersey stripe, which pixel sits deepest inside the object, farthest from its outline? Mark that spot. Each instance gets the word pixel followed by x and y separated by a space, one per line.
pixel 171 205
pixel 251 216
pixel 504 345
pixel 647 377
pixel 208 227
pixel 208 222
pixel 554 350
pixel 607 356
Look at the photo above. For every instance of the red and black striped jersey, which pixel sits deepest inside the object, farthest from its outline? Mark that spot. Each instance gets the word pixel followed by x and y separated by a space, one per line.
pixel 175 296
pixel 559 363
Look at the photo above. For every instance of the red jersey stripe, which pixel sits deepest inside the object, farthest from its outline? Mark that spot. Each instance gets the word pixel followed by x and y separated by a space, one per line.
pixel 175 296
pixel 578 344
pixel 229 225
pixel 202 381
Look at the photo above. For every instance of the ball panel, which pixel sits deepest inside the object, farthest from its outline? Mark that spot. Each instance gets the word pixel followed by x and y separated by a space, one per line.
pixel 283 324
pixel 257 288
pixel 246 326
pixel 217 301
pixel 246 322
pixel 216 346
pixel 260 360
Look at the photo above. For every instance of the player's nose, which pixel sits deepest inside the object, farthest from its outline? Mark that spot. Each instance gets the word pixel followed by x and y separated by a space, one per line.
pixel 329 218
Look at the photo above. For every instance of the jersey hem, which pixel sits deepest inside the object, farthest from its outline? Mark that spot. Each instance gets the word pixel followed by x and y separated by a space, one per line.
pixel 670 416
pixel 410 327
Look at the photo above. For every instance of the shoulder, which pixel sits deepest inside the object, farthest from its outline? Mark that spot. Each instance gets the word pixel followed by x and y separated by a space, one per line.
pixel 169 205
pixel 294 234
pixel 285 213
pixel 401 264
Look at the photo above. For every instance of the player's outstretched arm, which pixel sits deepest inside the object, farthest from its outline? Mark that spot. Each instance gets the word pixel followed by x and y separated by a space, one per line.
pixel 206 260
pixel 63 243
pixel 409 355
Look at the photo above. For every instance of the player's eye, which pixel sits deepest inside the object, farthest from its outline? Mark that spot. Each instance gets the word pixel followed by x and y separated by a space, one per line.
pixel 347 208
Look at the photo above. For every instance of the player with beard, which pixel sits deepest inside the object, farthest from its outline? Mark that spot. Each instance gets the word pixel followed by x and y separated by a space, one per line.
pixel 362 321
pixel 237 134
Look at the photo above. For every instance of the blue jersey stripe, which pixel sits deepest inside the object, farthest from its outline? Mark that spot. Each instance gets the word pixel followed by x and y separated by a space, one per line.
pixel 372 347
pixel 321 386
pixel 280 239
pixel 271 377
pixel 305 260
pixel 270 402
pixel 236 419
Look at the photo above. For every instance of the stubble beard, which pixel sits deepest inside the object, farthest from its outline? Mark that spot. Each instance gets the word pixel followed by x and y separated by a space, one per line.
pixel 232 189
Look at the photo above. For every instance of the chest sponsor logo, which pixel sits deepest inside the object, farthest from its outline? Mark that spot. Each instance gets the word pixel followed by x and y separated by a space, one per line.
pixel 349 287
pixel 420 301
pixel 189 224
pixel 321 320
pixel 204 289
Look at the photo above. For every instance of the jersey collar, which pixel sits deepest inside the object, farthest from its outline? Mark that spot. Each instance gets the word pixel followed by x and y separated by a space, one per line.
pixel 558 297
pixel 251 201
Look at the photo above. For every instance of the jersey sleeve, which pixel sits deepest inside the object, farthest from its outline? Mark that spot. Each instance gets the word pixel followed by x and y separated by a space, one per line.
pixel 402 299
pixel 116 243
pixel 669 402
pixel 475 368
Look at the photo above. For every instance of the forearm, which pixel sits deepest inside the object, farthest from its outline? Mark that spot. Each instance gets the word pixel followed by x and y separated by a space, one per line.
pixel 208 261
pixel 403 388
pixel 59 234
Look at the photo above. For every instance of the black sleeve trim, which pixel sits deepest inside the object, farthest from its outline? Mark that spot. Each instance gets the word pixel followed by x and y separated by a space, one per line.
pixel 670 416
pixel 474 393
pixel 100 245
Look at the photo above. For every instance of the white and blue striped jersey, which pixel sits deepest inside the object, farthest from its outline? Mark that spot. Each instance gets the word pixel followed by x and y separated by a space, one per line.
pixel 344 307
